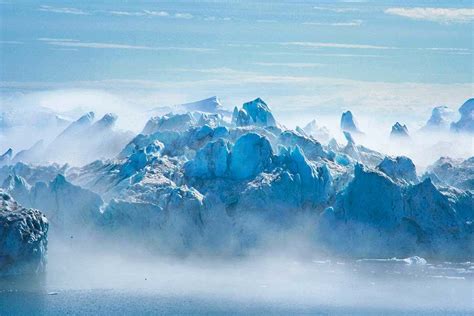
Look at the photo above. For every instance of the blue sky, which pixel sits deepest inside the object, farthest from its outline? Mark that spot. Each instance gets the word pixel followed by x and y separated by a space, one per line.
pixel 304 52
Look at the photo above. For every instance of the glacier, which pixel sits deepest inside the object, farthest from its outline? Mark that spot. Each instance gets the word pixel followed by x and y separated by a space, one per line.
pixel 201 179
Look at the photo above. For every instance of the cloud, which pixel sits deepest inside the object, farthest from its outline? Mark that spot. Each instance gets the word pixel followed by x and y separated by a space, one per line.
pixel 214 18
pixel 440 15
pixel 72 43
pixel 336 45
pixel 11 42
pixel 49 39
pixel 183 16
pixel 140 13
pixel 228 76
pixel 156 13
pixel 299 53
pixel 337 10
pixel 150 13
pixel 266 21
pixel 290 65
pixel 242 45
pixel 448 50
pixel 75 11
pixel 348 23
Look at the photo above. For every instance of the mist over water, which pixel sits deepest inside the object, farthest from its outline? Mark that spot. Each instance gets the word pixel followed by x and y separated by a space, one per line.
pixel 277 281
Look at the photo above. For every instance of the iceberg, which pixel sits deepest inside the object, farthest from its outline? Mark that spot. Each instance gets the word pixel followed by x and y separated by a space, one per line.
pixel 23 238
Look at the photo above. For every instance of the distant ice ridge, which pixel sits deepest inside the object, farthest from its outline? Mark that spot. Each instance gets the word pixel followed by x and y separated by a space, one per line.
pixel 80 142
pixel 23 238
pixel 312 129
pixel 197 181
pixel 209 105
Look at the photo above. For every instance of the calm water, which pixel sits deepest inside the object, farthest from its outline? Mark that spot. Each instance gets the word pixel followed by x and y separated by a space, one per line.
pixel 115 286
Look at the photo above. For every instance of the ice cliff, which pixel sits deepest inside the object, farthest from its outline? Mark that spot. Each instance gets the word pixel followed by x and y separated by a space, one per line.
pixel 377 216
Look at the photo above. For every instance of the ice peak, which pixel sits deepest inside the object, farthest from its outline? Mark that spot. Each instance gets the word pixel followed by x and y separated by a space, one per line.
pixel 399 130
pixel 6 157
pixel 7 154
pixel 107 121
pixel 349 123
pixel 255 112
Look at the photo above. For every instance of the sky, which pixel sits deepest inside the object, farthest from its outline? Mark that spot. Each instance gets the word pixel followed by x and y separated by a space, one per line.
pixel 403 57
